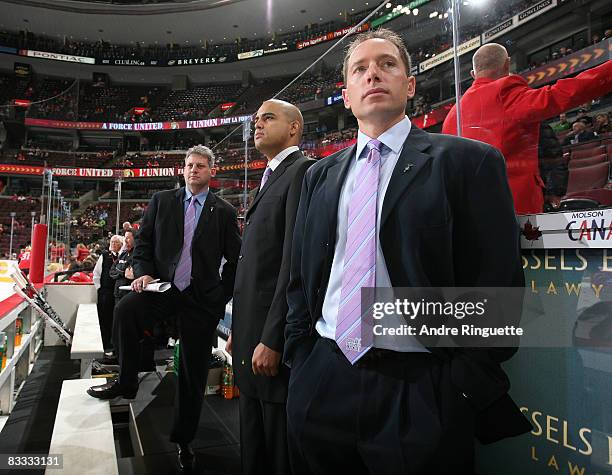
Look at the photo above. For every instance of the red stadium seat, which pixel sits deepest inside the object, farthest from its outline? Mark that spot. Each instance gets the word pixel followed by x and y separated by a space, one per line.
pixel 585 145
pixel 585 162
pixel 588 152
pixel 588 178
pixel 603 196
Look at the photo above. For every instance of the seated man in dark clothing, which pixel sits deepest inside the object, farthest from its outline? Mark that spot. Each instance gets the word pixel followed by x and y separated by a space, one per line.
pixel 121 271
pixel 579 134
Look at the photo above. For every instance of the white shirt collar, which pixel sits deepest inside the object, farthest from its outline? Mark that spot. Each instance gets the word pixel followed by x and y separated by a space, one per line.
pixel 392 138
pixel 276 161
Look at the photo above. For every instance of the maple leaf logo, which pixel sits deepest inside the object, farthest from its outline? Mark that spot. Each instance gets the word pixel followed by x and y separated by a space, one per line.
pixel 531 233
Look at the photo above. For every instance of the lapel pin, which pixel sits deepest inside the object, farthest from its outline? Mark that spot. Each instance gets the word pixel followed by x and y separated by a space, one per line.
pixel 408 167
pixel 211 208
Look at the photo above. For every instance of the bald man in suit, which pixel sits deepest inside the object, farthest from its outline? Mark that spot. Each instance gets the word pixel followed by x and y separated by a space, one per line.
pixel 260 303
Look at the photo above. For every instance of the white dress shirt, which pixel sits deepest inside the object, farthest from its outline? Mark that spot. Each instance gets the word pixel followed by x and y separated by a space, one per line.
pixel 393 142
pixel 276 161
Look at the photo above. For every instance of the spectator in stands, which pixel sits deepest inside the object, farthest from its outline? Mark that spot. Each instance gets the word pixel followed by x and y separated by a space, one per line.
pixel 602 124
pixel 502 110
pixel 105 286
pixel 173 227
pixel 562 125
pixel 578 134
pixel 82 252
pixel 583 115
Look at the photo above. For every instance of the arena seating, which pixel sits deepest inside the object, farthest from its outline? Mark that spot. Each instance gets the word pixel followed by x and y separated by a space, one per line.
pixel 587 152
pixel 22 206
pixel 195 103
pixel 587 161
pixel 588 177
pixel 109 104
pixel 589 171
pixel 495 14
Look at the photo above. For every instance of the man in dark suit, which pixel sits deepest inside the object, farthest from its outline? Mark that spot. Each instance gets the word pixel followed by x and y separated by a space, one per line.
pixel 401 208
pixel 260 295
pixel 184 235
pixel 106 287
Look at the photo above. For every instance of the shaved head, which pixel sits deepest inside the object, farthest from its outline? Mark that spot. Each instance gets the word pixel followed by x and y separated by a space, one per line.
pixel 278 125
pixel 490 61
pixel 291 112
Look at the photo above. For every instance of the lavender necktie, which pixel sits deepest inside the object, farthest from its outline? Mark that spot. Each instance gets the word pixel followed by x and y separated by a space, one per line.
pixel 265 177
pixel 182 275
pixel 353 338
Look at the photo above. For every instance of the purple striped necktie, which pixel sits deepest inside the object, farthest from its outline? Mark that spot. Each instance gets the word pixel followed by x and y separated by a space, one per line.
pixel 265 177
pixel 353 336
pixel 182 274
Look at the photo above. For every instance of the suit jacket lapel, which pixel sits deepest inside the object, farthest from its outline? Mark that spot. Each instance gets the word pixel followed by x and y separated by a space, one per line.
pixel 336 174
pixel 280 169
pixel 411 161
pixel 207 210
pixel 179 211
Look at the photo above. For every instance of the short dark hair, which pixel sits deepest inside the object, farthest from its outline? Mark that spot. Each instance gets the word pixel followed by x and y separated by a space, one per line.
pixel 383 34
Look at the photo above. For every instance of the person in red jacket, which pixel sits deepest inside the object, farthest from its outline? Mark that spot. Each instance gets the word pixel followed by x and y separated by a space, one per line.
pixel 24 259
pixel 82 252
pixel 502 110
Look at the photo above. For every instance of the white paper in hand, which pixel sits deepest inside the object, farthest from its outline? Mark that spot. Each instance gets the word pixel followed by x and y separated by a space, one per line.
pixel 151 287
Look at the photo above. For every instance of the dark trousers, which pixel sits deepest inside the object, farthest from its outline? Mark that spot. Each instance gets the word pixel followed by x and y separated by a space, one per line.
pixel 106 306
pixel 390 413
pixel 146 360
pixel 135 315
pixel 263 437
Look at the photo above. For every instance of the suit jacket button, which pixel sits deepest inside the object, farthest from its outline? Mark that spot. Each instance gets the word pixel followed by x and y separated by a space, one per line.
pixel 242 362
pixel 248 222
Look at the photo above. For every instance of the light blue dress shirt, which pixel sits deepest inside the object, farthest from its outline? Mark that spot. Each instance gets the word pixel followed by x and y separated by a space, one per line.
pixel 393 141
pixel 200 199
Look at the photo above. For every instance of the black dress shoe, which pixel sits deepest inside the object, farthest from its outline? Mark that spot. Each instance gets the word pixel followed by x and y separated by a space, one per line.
pixel 112 390
pixel 109 359
pixel 186 457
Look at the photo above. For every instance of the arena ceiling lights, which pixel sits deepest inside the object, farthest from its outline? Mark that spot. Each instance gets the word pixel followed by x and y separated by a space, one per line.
pixel 193 22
